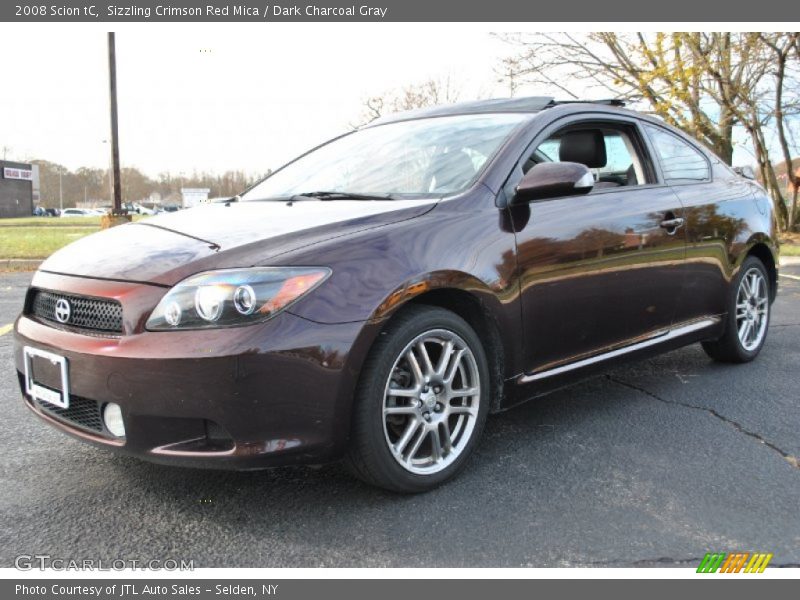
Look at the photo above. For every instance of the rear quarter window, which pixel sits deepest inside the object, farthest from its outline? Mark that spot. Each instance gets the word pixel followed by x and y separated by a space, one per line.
pixel 680 162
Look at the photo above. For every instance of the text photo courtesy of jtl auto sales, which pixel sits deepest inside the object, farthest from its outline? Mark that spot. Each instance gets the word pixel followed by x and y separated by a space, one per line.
pixel 399 299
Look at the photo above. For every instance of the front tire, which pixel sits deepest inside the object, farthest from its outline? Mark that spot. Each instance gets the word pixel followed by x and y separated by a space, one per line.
pixel 748 316
pixel 421 403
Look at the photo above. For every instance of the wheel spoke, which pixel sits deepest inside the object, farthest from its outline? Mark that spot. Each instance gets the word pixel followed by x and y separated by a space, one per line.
pixel 426 359
pixel 755 285
pixel 444 359
pixel 415 369
pixel 463 410
pixel 451 372
pixel 465 392
pixel 741 297
pixel 400 410
pixel 744 331
pixel 436 445
pixel 404 393
pixel 411 428
pixel 423 433
pixel 447 437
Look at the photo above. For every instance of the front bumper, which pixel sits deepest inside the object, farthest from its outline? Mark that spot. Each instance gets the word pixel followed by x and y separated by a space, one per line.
pixel 251 397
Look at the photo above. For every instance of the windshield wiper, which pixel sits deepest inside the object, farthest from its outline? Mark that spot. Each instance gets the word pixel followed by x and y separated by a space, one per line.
pixel 325 195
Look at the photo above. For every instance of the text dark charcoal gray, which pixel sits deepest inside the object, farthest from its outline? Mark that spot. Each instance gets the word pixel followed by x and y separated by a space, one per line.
pixel 386 589
pixel 609 11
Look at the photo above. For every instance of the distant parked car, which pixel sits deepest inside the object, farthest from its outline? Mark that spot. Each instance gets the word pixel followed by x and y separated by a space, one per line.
pixel 39 212
pixel 78 212
pixel 171 208
pixel 143 210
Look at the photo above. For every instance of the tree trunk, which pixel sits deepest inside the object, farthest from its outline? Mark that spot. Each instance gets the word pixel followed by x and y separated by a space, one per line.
pixel 724 146
pixel 769 178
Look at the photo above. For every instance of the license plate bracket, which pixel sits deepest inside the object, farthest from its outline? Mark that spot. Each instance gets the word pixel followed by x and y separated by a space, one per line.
pixel 59 398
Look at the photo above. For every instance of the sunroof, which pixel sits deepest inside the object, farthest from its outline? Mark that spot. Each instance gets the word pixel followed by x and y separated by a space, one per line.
pixel 532 104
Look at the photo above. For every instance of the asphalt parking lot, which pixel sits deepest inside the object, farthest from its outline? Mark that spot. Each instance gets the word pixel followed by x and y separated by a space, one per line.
pixel 654 464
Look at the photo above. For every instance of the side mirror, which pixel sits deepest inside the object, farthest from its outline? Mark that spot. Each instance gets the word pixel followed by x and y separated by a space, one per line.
pixel 553 179
pixel 747 172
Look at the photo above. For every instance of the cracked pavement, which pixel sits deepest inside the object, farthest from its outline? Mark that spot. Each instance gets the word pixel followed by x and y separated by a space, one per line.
pixel 653 464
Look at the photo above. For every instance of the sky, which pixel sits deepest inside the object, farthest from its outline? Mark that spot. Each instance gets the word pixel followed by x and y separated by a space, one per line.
pixel 217 98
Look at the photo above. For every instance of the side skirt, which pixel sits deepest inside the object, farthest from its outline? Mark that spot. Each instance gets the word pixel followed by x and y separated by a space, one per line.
pixel 532 385
pixel 659 337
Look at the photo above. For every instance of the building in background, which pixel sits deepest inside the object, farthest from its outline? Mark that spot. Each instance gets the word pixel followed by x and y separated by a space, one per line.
pixel 37 195
pixel 194 196
pixel 16 189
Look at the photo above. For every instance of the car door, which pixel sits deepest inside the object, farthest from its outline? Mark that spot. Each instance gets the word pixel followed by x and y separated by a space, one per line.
pixel 717 206
pixel 602 270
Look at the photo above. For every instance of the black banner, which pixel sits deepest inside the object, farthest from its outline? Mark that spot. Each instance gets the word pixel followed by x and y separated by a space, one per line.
pixel 387 589
pixel 608 11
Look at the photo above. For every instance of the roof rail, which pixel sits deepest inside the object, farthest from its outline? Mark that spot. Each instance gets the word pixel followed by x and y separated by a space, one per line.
pixel 518 105
pixel 604 102
pixel 530 104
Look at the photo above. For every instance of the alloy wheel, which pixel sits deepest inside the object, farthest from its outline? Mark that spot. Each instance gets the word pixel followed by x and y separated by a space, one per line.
pixel 431 402
pixel 752 309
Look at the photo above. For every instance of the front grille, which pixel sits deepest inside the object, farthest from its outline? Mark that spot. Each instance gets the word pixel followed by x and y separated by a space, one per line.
pixel 82 412
pixel 92 314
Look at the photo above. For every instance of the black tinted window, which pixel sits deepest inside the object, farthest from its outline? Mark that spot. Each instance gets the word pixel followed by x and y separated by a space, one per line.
pixel 679 160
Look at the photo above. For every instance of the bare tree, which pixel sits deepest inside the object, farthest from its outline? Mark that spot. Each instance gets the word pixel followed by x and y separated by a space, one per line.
pixel 784 48
pixel 659 71
pixel 430 92
pixel 705 83
pixel 509 74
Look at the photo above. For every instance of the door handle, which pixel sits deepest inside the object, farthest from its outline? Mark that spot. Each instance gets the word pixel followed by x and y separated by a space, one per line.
pixel 672 224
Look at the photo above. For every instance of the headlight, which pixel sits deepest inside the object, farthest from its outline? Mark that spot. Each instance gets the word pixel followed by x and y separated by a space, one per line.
pixel 233 297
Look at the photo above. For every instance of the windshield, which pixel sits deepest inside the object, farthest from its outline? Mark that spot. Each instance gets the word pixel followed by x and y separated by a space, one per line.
pixel 421 158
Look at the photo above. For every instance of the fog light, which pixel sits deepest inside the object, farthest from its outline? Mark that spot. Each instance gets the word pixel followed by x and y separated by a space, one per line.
pixel 112 417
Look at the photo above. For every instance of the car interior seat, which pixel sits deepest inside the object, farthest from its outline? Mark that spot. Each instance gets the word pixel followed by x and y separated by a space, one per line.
pixel 587 147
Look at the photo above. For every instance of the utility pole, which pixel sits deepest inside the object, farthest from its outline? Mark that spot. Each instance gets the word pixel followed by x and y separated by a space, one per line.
pixel 110 177
pixel 112 80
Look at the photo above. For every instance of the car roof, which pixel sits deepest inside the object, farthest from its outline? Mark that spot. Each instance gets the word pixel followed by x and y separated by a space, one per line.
pixel 532 104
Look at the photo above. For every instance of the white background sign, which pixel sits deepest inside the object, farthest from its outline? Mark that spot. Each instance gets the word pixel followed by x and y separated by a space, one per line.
pixel 14 173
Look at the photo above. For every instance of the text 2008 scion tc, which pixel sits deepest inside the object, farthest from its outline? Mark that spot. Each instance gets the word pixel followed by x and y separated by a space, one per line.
pixel 376 298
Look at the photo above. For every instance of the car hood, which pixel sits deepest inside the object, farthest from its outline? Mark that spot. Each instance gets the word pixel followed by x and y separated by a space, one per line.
pixel 165 249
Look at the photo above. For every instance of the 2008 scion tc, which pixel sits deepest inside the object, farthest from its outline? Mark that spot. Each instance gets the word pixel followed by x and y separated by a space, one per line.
pixel 378 297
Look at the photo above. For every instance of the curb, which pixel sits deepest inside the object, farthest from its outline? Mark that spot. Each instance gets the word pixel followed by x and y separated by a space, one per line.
pixel 790 261
pixel 20 264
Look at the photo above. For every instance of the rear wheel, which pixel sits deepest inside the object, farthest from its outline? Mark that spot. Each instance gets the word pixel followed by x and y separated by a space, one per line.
pixel 422 401
pixel 747 318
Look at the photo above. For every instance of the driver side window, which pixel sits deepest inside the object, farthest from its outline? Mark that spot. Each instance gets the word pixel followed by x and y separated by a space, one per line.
pixel 609 151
